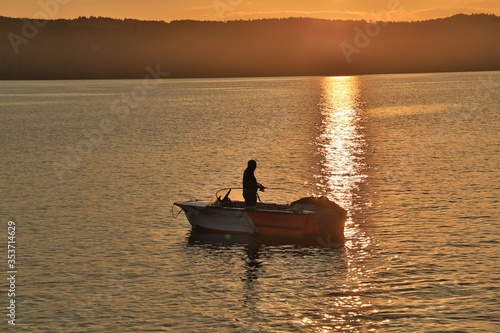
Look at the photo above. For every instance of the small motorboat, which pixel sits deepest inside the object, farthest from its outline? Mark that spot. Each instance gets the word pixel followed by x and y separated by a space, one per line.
pixel 307 218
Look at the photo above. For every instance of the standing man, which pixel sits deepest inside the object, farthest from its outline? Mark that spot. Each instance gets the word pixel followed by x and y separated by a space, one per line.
pixel 250 185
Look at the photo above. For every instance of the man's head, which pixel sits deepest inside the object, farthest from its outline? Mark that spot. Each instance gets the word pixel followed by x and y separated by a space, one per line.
pixel 252 164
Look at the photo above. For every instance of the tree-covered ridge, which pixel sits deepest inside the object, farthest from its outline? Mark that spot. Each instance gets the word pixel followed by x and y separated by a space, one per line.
pixel 108 48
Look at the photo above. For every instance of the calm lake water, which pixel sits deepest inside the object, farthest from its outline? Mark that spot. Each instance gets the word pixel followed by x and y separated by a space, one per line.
pixel 89 171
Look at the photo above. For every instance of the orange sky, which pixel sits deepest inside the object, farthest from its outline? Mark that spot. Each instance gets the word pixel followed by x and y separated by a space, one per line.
pixel 168 10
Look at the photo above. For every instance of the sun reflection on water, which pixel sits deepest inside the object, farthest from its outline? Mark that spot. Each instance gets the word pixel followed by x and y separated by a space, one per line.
pixel 340 141
pixel 340 176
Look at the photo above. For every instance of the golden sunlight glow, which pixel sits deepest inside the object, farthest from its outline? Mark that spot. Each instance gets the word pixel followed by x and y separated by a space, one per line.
pixel 341 147
pixel 341 142
pixel 256 9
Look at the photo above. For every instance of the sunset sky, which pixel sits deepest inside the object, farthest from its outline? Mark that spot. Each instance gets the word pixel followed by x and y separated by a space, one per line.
pixel 168 10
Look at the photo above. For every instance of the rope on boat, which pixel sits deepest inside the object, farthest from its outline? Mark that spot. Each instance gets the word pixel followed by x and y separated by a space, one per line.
pixel 174 215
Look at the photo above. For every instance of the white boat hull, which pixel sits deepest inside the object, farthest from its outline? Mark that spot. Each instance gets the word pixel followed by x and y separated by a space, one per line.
pixel 200 215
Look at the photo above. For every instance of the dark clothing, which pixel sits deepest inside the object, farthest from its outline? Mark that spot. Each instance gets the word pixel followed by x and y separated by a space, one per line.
pixel 249 180
pixel 250 198
pixel 250 187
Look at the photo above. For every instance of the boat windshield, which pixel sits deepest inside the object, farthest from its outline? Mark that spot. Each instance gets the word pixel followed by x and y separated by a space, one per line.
pixel 228 195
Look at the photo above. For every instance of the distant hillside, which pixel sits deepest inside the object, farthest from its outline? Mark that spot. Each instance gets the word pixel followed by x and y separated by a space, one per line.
pixel 87 48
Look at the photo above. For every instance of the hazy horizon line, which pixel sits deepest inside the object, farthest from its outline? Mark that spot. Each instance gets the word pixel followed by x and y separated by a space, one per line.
pixel 246 20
